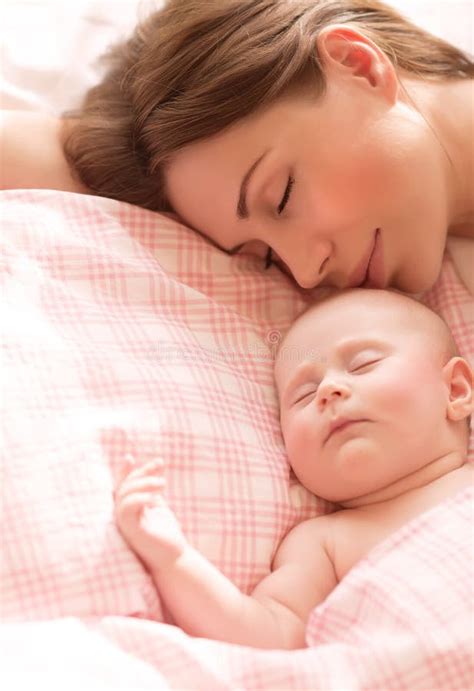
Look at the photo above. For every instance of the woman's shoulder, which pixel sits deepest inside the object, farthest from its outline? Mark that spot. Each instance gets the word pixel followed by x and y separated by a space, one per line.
pixel 31 152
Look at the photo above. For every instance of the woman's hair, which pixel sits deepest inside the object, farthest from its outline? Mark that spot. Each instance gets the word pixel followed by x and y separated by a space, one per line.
pixel 196 67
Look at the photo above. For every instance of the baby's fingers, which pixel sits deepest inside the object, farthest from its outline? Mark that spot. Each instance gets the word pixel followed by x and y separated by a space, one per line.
pixel 154 468
pixel 128 511
pixel 139 485
pixel 129 508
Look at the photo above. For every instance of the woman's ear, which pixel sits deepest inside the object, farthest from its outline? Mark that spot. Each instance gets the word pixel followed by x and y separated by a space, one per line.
pixel 458 376
pixel 348 53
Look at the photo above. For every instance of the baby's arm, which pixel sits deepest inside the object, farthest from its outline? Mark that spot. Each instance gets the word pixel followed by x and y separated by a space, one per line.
pixel 202 600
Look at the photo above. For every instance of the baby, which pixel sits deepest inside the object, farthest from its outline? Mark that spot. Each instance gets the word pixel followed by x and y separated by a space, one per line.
pixel 375 406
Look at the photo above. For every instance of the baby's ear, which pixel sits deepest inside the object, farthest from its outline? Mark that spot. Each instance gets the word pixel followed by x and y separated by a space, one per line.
pixel 457 374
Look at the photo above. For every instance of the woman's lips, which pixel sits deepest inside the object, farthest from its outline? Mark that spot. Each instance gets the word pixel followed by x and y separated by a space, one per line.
pixel 360 274
pixel 376 271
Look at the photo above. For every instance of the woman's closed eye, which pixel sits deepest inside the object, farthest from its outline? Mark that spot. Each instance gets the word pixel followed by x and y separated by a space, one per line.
pixel 281 208
pixel 286 196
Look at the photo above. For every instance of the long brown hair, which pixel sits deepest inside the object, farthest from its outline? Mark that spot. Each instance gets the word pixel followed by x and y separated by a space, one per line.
pixel 196 67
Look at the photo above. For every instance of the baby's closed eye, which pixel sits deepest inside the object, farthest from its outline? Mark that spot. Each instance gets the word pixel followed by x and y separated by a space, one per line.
pixel 306 394
pixel 364 366
pixel 364 359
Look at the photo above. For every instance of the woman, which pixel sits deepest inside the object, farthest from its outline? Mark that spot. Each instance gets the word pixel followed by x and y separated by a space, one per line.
pixel 330 136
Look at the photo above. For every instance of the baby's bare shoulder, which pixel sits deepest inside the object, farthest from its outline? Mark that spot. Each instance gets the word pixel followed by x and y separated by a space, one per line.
pixel 307 539
pixel 303 573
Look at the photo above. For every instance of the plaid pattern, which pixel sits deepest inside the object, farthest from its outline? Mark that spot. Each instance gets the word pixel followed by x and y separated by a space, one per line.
pixel 126 333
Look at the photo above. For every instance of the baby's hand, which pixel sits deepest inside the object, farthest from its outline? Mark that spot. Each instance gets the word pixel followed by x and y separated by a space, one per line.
pixel 144 518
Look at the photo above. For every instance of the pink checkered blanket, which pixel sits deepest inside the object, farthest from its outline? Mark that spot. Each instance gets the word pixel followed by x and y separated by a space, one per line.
pixel 124 332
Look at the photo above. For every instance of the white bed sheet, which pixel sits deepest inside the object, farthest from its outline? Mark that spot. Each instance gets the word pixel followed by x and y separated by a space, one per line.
pixel 49 48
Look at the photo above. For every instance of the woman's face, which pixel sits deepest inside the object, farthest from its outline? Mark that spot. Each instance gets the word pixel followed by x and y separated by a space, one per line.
pixel 348 190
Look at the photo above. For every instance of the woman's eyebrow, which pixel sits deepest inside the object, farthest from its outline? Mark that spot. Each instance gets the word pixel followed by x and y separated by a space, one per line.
pixel 242 211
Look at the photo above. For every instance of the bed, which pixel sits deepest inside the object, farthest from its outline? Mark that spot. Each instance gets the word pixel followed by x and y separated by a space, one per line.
pixel 124 334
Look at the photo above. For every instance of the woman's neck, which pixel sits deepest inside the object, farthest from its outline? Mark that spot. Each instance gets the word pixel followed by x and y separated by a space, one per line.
pixel 449 108
pixel 462 133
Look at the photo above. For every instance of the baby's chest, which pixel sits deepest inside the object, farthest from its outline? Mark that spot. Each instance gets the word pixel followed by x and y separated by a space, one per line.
pixel 354 537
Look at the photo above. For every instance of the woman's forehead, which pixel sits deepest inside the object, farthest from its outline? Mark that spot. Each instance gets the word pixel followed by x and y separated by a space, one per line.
pixel 204 181
pixel 201 183
pixel 239 145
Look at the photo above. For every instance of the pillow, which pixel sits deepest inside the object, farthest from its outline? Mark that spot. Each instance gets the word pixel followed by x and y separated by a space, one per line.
pixel 127 333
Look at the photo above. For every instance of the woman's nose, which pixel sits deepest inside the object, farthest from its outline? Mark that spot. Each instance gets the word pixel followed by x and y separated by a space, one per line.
pixel 330 391
pixel 308 263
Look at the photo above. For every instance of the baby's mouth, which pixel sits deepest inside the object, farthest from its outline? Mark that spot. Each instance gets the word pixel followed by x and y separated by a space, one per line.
pixel 340 424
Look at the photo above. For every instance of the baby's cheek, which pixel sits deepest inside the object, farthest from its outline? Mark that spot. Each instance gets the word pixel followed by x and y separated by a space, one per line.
pixel 300 434
pixel 403 389
pixel 399 390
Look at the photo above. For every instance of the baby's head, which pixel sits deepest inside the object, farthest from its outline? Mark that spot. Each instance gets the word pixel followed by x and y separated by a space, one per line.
pixel 384 369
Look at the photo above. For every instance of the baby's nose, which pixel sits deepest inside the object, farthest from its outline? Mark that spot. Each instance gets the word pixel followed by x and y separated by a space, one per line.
pixel 331 390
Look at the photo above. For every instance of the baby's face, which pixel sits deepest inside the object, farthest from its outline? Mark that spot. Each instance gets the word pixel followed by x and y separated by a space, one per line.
pixel 362 397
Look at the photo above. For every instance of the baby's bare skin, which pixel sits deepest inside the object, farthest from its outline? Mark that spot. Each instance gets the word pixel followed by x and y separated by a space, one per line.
pixel 353 533
pixel 310 562
pixel 374 420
